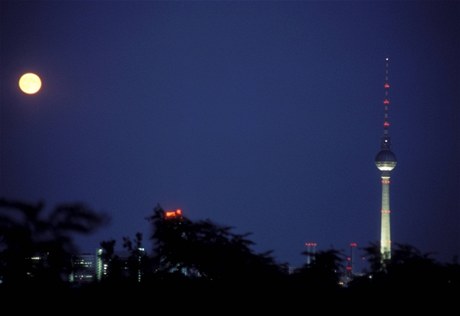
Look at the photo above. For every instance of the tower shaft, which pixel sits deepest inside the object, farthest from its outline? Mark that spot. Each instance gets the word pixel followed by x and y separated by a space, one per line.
pixel 385 231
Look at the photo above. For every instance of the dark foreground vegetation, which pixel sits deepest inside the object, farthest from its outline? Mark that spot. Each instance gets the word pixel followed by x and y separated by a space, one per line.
pixel 194 261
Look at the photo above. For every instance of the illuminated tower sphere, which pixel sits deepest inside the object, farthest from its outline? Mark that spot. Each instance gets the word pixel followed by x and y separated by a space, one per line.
pixel 385 162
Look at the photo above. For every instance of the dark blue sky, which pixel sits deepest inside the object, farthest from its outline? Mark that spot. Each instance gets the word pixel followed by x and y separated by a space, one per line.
pixel 265 116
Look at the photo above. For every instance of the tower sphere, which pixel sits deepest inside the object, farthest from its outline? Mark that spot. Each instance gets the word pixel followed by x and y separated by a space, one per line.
pixel 385 160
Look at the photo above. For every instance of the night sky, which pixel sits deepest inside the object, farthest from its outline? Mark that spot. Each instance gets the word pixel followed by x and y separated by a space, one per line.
pixel 264 116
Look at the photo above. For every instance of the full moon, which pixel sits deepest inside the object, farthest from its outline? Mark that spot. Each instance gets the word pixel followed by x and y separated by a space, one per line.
pixel 30 83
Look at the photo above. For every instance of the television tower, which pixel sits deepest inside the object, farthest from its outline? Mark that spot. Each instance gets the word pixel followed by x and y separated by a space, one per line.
pixel 385 162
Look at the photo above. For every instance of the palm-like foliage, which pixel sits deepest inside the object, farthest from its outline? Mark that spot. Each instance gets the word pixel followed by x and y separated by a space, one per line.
pixel 36 246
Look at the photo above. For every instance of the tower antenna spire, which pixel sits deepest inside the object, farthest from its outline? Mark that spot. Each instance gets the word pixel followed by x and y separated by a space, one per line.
pixel 386 100
pixel 386 143
pixel 385 162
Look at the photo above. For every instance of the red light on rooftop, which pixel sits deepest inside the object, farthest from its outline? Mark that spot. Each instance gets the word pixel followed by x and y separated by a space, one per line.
pixel 173 214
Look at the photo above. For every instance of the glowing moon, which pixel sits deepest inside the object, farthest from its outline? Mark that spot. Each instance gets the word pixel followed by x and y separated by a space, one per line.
pixel 30 83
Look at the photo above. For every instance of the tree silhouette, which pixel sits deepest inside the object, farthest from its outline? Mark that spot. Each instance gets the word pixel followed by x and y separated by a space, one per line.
pixel 36 247
pixel 206 251
pixel 408 270
pixel 411 268
pixel 323 272
pixel 374 257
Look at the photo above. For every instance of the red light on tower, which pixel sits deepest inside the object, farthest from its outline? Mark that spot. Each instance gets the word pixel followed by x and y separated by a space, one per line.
pixel 386 85
pixel 349 266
